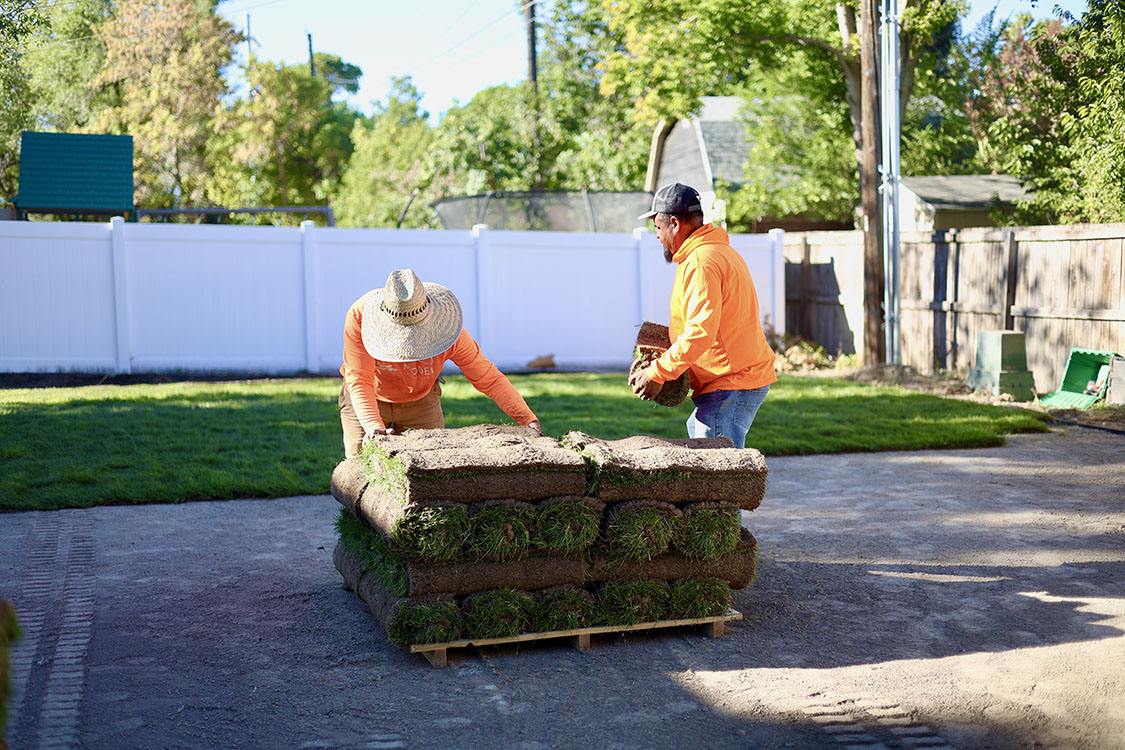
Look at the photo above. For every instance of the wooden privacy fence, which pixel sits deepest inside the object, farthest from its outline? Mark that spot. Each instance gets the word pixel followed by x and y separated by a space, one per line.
pixel 1061 286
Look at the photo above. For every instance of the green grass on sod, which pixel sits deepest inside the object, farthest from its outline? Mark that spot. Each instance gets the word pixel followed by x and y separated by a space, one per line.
pixel 373 552
pixel 77 447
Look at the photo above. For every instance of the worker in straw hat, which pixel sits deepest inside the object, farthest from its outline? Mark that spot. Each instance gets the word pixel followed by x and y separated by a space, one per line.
pixel 396 340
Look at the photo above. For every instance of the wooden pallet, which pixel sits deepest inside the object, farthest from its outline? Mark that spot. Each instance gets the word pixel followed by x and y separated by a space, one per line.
pixel 436 652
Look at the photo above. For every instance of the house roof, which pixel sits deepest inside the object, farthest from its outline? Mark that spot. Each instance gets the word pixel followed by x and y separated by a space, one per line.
pixel 723 131
pixel 75 172
pixel 966 191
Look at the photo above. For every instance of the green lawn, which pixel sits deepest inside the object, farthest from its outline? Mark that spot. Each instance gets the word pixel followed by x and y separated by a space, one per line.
pixel 76 447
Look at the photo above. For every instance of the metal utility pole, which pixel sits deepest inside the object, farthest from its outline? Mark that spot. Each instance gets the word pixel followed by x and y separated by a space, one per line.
pixel 533 78
pixel 891 172
pixel 532 68
pixel 312 65
pixel 873 343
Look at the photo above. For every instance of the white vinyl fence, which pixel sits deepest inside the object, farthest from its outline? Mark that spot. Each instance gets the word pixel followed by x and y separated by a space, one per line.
pixel 120 297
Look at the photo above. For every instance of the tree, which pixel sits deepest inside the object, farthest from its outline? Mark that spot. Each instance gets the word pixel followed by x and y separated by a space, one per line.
pixel 19 21
pixel 289 141
pixel 166 59
pixel 1049 108
pixel 64 65
pixel 388 170
pixel 679 50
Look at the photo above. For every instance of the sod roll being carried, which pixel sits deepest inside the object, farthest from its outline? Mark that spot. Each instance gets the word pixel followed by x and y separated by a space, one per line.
pixel 407 577
pixel 652 341
pixel 737 568
pixel 484 462
pixel 434 619
pixel 675 471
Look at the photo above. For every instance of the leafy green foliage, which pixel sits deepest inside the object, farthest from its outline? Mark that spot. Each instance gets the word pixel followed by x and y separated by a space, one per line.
pixel 435 533
pixel 166 61
pixel 1051 110
pixel 19 21
pixel 285 145
pixel 387 173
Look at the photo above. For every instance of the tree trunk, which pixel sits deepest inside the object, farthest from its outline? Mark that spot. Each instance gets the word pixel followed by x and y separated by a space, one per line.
pixel 874 346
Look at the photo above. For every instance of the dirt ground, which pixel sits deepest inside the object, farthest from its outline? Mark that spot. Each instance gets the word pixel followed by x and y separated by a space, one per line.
pixel 940 599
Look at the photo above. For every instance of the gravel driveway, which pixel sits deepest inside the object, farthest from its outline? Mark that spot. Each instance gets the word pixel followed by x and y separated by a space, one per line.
pixel 966 599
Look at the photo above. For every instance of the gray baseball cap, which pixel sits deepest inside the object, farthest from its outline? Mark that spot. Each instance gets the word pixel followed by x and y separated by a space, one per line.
pixel 674 198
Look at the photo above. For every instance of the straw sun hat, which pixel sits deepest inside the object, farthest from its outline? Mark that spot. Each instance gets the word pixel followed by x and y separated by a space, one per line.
pixel 409 320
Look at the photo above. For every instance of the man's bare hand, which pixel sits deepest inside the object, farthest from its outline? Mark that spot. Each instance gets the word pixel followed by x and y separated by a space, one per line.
pixel 377 431
pixel 534 424
pixel 644 386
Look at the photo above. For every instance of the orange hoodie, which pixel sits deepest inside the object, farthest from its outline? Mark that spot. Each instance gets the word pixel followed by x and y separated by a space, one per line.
pixel 715 329
pixel 370 379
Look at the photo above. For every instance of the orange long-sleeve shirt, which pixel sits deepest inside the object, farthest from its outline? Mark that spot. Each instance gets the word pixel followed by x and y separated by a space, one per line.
pixel 715 329
pixel 370 379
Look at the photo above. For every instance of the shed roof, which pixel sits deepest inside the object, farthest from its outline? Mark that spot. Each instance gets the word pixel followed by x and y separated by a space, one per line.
pixel 75 172
pixel 966 191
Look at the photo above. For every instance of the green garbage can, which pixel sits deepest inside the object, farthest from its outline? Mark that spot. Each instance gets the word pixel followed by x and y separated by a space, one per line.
pixel 1084 381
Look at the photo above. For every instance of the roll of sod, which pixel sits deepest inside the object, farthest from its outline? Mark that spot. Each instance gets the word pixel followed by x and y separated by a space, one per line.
pixel 698 597
pixel 737 568
pixel 675 471
pixel 562 608
pixel 630 602
pixel 500 613
pixel 407 621
pixel 639 529
pixel 500 530
pixel 707 530
pixel 567 525
pixel 372 551
pixel 671 393
pixel 484 462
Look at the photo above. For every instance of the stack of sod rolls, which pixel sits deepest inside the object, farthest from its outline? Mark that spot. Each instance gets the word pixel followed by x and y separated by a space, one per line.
pixel 490 531
pixel 672 532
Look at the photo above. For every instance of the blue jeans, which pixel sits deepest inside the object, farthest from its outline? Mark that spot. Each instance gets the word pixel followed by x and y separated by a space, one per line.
pixel 728 413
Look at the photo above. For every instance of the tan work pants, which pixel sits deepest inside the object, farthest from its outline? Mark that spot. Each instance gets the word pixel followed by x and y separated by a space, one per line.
pixel 425 413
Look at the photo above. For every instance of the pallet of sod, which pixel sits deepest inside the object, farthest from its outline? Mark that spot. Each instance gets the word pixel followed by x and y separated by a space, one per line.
pixel 431 625
pixel 644 467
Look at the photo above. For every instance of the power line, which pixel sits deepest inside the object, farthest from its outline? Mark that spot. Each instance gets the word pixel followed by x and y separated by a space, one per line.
pixel 476 33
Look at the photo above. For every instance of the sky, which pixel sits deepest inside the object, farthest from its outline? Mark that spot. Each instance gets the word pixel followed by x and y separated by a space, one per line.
pixel 451 48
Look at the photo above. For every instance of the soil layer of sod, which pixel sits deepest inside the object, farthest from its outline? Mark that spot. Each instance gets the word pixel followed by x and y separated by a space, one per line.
pixel 483 462
pixel 675 471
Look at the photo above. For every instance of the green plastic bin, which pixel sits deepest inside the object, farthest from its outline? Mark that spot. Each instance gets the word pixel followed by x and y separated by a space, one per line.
pixel 1082 367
